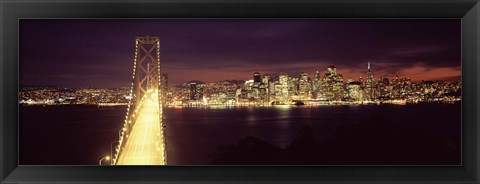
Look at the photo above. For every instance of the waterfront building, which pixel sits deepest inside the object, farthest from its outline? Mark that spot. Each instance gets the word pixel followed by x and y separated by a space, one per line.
pixel 238 93
pixel 266 82
pixel 196 91
pixel 304 86
pixel 354 91
pixel 383 88
pixel 243 95
pixel 271 91
pixel 282 92
pixel 263 92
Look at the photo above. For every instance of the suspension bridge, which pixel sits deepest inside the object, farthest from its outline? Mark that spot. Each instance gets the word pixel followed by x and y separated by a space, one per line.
pixel 141 140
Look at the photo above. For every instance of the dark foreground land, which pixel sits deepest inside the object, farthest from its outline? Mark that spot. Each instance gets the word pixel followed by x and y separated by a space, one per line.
pixel 354 145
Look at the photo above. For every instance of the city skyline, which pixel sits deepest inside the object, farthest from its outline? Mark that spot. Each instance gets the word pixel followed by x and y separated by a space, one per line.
pixel 327 89
pixel 217 50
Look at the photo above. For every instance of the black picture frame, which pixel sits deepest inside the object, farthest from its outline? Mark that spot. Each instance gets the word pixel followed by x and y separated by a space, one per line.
pixel 12 11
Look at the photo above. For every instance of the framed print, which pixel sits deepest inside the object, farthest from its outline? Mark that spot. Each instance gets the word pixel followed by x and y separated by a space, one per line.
pixel 229 91
pixel 210 98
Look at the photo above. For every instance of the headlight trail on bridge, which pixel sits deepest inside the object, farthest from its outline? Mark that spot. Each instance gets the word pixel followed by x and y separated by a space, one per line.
pixel 145 144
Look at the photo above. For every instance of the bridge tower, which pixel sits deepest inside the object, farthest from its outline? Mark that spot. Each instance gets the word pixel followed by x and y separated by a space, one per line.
pixel 141 140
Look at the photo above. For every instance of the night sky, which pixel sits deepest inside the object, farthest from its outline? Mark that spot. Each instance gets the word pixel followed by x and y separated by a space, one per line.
pixel 99 53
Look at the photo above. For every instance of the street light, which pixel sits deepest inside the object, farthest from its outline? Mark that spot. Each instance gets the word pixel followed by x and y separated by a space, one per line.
pixel 104 158
pixel 111 150
pixel 120 131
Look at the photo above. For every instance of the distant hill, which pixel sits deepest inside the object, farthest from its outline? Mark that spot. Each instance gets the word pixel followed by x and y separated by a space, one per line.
pixel 195 81
pixel 236 81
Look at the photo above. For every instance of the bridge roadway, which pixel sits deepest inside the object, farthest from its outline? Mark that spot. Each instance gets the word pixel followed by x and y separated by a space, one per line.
pixel 144 145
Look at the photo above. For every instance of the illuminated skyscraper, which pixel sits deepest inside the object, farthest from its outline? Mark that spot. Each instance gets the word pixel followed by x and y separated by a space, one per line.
pixel 252 88
pixel 193 91
pixel 200 92
pixel 265 88
pixel 304 86
pixel 316 85
pixel 263 92
pixel 271 90
pixel 293 92
pixel 277 90
pixel 281 91
pixel 266 79
pixel 332 85
pixel 256 77
pixel 369 85
pixel 249 85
